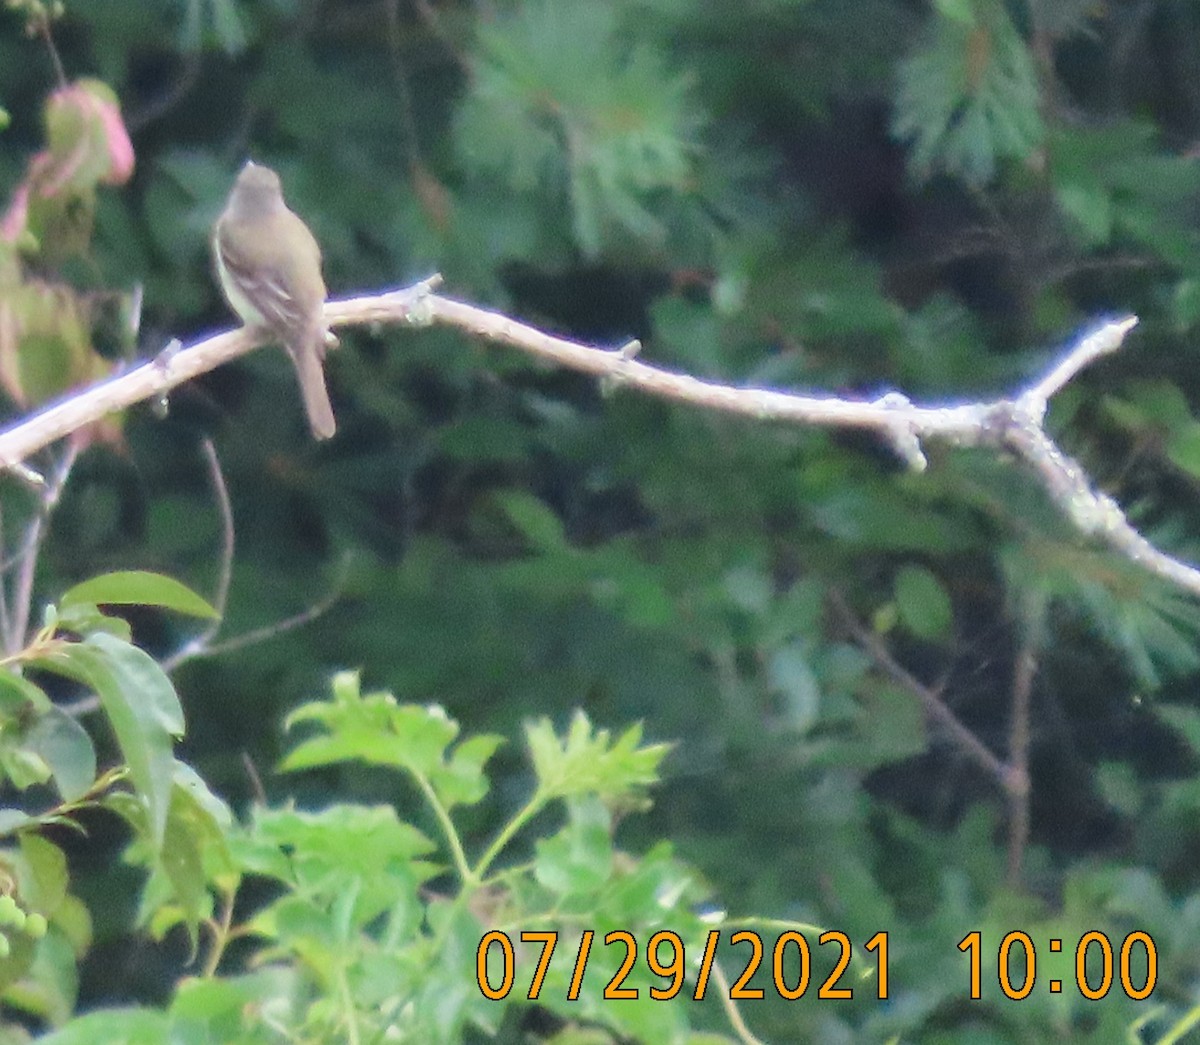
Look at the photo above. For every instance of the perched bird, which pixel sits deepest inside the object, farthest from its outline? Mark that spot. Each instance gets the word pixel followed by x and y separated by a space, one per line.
pixel 269 265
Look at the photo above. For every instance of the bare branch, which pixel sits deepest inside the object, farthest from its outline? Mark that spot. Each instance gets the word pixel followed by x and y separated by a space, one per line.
pixel 217 479
pixel 256 785
pixel 935 707
pixel 191 67
pixel 157 376
pixel 19 603
pixel 198 643
pixel 732 1012
pixel 281 627
pixel 1018 784
pixel 1012 424
pixel 203 646
pixel 1102 341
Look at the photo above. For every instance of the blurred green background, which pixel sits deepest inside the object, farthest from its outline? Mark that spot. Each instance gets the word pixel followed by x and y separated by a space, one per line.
pixel 800 194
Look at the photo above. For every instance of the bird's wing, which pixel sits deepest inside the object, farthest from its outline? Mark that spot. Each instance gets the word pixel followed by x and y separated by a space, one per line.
pixel 265 284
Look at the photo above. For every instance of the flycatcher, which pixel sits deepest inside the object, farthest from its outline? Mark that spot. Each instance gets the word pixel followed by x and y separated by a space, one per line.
pixel 269 265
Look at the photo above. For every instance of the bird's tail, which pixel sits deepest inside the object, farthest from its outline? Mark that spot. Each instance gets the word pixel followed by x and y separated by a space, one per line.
pixel 307 358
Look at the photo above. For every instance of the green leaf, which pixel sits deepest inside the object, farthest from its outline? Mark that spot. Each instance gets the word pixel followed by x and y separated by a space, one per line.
pixel 1185 302
pixel 18 694
pixel 65 747
pixel 221 16
pixel 54 351
pixel 562 101
pixel 791 675
pixel 1119 185
pixel 194 851
pixel 1118 785
pixel 1091 208
pixel 22 767
pixel 1184 448
pixel 84 619
pixel 137 588
pixel 49 988
pixel 956 10
pixel 373 728
pixel 749 589
pixel 922 602
pixel 578 859
pixel 1147 407
pixel 894 727
pixel 587 760
pixel 42 870
pixel 446 999
pixel 1154 625
pixel 142 706
pixel 213 1009
pixel 127 1026
pixel 883 519
pixel 1186 720
pixel 13 820
pixel 534 519
pixel 658 888
pixel 227 26
pixel 364 848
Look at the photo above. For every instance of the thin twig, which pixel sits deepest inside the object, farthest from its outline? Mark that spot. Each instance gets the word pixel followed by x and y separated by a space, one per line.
pixel 43 28
pixel 86 705
pixel 281 627
pixel 410 143
pixel 434 23
pixel 7 562
pixel 744 1034
pixel 82 706
pixel 21 603
pixel 217 479
pixel 159 106
pixel 256 785
pixel 935 707
pixel 220 599
pixel 1018 782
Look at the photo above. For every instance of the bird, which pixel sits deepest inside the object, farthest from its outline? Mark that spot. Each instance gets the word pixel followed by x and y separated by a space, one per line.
pixel 269 267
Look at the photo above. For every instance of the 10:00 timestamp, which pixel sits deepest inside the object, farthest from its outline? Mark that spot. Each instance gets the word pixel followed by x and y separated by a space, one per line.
pixel 1097 966
pixel 1090 986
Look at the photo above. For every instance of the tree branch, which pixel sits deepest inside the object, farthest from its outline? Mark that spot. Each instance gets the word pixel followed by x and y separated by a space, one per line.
pixel 936 708
pixel 17 604
pixel 172 367
pixel 1025 668
pixel 1012 424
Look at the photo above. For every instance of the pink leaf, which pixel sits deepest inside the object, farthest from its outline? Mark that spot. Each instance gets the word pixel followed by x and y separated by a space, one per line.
pixel 16 217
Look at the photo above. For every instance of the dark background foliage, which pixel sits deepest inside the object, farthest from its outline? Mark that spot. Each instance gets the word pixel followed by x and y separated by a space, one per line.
pixel 804 195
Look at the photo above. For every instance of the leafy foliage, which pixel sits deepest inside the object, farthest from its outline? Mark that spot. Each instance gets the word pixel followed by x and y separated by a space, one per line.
pixel 566 105
pixel 970 96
